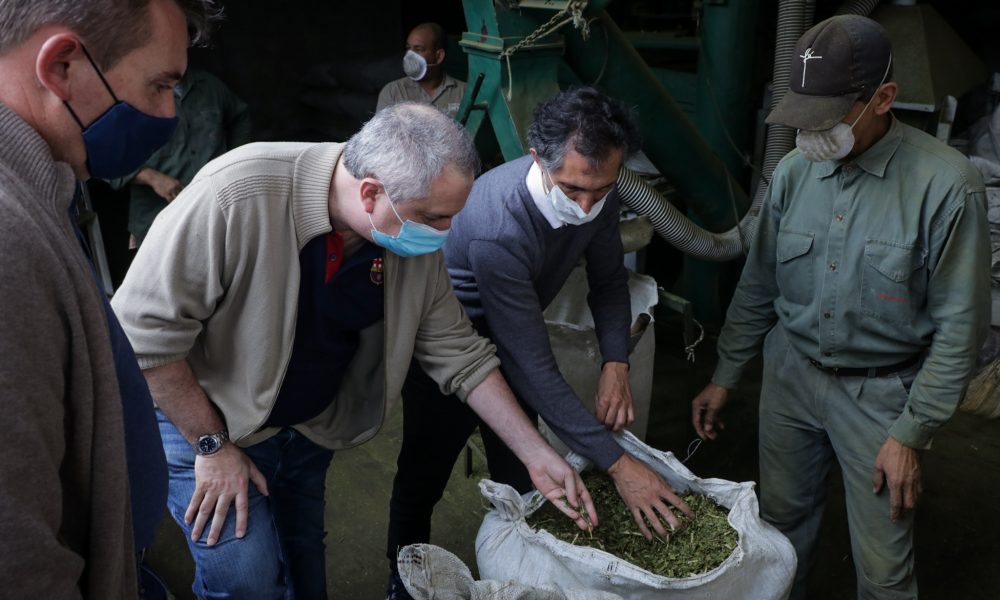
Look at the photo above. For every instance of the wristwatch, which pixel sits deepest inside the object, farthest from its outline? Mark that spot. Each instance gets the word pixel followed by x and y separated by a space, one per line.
pixel 209 444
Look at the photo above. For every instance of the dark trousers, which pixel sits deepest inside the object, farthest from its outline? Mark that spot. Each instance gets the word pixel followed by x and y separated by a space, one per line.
pixel 435 429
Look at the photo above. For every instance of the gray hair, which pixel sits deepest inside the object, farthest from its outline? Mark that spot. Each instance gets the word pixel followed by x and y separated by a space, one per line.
pixel 407 146
pixel 110 28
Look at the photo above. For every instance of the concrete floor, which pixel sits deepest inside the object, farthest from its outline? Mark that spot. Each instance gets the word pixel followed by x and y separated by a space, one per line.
pixel 957 525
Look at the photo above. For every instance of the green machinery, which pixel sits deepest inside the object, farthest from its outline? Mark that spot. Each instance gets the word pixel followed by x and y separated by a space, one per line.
pixel 518 51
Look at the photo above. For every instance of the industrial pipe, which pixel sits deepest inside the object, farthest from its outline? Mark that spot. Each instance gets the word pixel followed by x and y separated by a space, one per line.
pixel 671 224
pixel 678 149
pixel 780 139
pixel 858 7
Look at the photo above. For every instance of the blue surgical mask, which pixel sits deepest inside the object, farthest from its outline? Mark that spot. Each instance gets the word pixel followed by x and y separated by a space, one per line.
pixel 123 138
pixel 570 212
pixel 413 238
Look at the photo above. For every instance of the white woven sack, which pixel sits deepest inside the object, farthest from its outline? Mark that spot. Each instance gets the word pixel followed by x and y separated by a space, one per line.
pixel 761 567
pixel 432 573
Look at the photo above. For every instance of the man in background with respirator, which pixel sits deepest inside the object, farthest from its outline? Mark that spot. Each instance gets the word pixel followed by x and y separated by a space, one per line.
pixel 867 286
pixel 425 80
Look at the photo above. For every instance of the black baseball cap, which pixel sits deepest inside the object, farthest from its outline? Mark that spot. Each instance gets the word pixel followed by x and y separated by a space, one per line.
pixel 839 61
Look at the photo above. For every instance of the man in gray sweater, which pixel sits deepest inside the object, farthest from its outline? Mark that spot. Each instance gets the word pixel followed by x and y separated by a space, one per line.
pixel 525 227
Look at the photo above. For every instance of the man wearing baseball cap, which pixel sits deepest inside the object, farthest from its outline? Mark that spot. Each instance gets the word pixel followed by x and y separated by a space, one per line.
pixel 867 289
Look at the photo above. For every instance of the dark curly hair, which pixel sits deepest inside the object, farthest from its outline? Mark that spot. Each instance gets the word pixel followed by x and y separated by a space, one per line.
pixel 586 120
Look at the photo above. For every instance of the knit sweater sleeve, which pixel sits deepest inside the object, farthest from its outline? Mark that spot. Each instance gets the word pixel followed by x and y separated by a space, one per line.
pixel 514 316
pixel 33 383
pixel 176 279
pixel 607 278
pixel 446 345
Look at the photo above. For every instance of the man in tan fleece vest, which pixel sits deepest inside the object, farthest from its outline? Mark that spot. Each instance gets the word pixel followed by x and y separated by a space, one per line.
pixel 276 310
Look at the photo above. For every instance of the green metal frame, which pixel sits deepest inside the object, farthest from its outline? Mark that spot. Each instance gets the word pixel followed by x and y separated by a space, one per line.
pixel 695 155
pixel 493 29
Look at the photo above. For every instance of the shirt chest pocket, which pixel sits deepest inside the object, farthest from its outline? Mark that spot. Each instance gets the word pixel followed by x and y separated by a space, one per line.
pixel 893 281
pixel 794 267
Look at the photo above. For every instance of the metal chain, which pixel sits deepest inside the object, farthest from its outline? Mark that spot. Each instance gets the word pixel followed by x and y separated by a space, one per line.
pixel 574 8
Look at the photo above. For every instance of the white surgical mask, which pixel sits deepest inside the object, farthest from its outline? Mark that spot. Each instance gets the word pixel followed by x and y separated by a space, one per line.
pixel 838 141
pixel 414 65
pixel 570 212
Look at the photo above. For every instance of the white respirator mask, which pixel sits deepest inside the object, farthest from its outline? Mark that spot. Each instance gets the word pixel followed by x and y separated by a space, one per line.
pixel 838 141
pixel 568 211
pixel 414 65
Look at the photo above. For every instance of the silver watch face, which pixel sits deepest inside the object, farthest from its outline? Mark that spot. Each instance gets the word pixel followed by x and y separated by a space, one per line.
pixel 209 444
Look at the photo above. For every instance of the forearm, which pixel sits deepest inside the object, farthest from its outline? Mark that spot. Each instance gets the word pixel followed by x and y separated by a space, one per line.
pixel 177 393
pixel 539 384
pixel 515 323
pixel 495 404
pixel 146 176
pixel 748 322
pixel 959 302
pixel 751 313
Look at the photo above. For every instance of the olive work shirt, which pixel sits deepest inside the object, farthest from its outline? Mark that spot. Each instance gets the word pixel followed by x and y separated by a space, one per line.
pixel 446 98
pixel 868 262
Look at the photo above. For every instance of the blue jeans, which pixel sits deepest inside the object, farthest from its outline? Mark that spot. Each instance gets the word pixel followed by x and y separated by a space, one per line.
pixel 282 554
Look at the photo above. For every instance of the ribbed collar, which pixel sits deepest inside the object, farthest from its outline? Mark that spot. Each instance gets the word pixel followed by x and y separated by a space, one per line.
pixel 875 159
pixel 27 156
pixel 311 190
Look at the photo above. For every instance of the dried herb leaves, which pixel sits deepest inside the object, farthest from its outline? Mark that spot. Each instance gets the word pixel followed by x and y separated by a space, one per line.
pixel 701 545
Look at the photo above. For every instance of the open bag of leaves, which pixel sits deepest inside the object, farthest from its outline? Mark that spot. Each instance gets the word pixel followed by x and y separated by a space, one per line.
pixel 760 566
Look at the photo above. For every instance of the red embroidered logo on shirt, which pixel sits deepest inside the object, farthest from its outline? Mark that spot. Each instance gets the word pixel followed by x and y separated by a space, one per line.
pixel 888 298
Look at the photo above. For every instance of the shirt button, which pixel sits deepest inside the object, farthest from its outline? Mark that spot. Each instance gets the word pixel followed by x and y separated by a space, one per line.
pixel 833 266
pixel 333 258
pixel 849 169
pixel 827 315
pixel 840 217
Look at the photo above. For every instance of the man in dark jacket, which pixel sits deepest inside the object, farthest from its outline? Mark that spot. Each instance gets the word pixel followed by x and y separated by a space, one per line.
pixel 86 90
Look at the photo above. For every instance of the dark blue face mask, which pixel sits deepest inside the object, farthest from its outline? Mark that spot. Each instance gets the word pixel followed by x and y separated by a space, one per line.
pixel 123 138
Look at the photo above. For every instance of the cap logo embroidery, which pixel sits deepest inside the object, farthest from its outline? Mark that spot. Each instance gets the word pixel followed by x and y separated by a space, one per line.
pixel 805 63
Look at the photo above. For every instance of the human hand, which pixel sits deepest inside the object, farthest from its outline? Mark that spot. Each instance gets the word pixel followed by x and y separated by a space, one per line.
pixel 220 480
pixel 705 410
pixel 164 185
pixel 562 486
pixel 644 491
pixel 899 467
pixel 614 397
